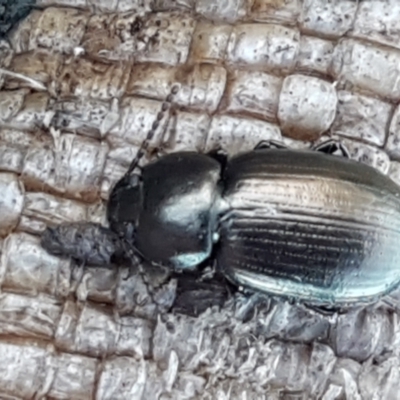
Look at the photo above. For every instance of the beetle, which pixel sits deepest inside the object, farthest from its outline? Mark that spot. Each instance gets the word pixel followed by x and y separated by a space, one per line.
pixel 301 224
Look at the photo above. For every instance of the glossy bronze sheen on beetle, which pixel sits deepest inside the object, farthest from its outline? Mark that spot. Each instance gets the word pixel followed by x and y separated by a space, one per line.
pixel 301 224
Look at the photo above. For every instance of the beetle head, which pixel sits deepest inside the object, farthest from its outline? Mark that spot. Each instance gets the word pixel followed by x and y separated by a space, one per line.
pixel 125 205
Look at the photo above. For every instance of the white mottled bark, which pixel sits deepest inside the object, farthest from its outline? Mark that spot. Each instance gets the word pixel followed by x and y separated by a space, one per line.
pixel 81 83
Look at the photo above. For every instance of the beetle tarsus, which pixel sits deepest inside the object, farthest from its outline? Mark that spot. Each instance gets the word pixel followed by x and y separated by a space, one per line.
pixel 270 144
pixel 332 147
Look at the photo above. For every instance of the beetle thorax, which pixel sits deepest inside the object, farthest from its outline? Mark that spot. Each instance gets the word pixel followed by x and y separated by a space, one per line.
pixel 176 219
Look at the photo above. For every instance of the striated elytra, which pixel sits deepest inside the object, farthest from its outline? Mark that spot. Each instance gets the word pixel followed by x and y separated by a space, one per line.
pixel 301 224
pixel 319 228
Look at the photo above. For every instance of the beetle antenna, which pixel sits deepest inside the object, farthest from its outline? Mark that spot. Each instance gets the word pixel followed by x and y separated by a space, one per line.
pixel 166 105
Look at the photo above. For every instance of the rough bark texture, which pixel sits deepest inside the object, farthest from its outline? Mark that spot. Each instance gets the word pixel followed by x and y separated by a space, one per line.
pixel 82 82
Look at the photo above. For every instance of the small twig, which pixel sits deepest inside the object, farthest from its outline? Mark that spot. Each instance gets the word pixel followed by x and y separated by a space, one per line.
pixel 34 83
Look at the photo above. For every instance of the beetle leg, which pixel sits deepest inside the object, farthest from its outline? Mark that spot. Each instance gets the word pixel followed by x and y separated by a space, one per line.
pixel 390 302
pixel 325 310
pixel 270 144
pixel 333 147
pixel 196 295
pixel 219 155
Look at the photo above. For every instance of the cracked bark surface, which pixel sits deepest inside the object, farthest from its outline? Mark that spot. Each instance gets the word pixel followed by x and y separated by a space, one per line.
pixel 81 84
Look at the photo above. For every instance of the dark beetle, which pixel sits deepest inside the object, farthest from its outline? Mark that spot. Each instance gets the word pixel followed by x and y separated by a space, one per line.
pixel 306 225
pixel 302 224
